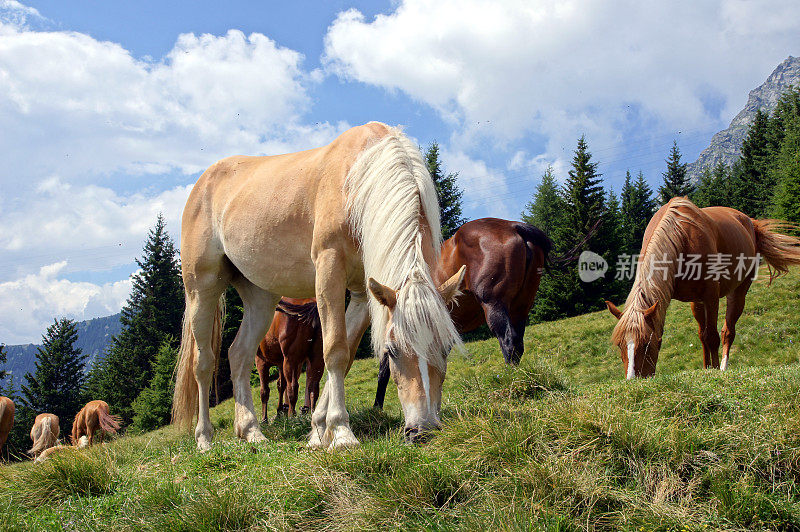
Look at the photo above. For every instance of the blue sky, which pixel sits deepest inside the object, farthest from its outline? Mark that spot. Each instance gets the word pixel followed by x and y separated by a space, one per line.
pixel 109 111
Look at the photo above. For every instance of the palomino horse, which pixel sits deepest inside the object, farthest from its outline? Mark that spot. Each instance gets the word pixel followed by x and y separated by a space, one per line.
pixel 696 255
pixel 504 261
pixel 317 223
pixel 44 433
pixel 94 418
pixel 6 419
pixel 293 339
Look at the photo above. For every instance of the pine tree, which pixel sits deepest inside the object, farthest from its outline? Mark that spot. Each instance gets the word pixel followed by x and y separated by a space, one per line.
pixel 676 182
pixel 544 209
pixel 57 384
pixel 153 406
pixel 787 173
pixel 152 314
pixel 583 203
pixel 637 207
pixel 754 186
pixel 3 362
pixel 447 191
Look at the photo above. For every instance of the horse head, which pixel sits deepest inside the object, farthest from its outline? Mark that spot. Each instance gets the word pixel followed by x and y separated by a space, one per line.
pixel 416 348
pixel 638 338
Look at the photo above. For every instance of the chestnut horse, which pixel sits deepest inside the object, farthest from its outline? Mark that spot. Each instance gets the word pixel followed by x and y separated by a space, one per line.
pixel 504 261
pixel 94 418
pixel 44 433
pixel 293 339
pixel 698 256
pixel 360 210
pixel 6 419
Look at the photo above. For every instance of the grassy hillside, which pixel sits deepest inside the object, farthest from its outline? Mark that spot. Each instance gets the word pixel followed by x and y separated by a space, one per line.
pixel 561 443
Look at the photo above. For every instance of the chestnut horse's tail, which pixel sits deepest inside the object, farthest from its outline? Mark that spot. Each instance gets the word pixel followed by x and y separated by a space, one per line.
pixel 185 400
pixel 779 250
pixel 108 423
pixel 533 236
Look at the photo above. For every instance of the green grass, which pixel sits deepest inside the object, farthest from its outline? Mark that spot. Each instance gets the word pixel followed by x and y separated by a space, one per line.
pixel 561 443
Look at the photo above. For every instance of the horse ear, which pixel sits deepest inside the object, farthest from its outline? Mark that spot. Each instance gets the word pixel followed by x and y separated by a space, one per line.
pixel 385 295
pixel 613 309
pixel 648 314
pixel 451 287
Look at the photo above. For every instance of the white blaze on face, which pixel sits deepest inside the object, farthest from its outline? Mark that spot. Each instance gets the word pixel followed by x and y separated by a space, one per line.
pixel 426 380
pixel 631 353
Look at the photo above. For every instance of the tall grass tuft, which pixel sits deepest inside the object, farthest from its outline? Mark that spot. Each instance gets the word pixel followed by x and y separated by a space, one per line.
pixel 71 472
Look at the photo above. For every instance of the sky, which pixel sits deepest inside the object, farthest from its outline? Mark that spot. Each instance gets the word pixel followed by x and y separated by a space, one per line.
pixel 110 111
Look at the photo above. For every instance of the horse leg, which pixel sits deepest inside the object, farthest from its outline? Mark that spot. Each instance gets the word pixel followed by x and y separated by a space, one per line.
pixel 383 380
pixel 263 381
pixel 500 324
pixel 732 314
pixel 710 334
pixel 699 313
pixel 292 386
pixel 316 366
pixel 259 307
pixel 280 385
pixel 330 424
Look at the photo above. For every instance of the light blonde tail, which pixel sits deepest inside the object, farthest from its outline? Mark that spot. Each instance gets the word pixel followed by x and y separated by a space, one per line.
pixel 47 437
pixel 185 400
pixel 779 250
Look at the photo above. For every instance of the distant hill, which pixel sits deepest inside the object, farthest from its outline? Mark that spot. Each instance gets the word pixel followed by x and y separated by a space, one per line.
pixel 93 337
pixel 726 145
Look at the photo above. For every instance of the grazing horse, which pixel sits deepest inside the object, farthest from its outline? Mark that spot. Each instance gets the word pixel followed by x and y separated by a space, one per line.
pixel 504 261
pixel 354 214
pixel 92 418
pixel 6 419
pixel 44 433
pixel 698 256
pixel 293 339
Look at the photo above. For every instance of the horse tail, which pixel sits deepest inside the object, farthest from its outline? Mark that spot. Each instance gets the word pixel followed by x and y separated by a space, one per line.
pixel 109 423
pixel 534 237
pixel 47 437
pixel 307 313
pixel 779 250
pixel 186 397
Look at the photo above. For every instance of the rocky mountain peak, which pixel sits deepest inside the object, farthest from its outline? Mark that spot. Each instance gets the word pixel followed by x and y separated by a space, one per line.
pixel 726 145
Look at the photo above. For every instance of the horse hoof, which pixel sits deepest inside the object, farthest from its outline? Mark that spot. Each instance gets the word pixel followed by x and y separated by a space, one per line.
pixel 343 437
pixel 203 445
pixel 255 437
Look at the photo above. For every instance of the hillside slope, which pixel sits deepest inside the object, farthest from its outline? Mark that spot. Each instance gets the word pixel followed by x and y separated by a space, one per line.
pixel 561 443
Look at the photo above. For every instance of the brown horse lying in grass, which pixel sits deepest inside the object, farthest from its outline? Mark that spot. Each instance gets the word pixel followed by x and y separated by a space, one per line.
pixel 293 339
pixel 699 256
pixel 6 419
pixel 92 418
pixel 44 433
pixel 505 261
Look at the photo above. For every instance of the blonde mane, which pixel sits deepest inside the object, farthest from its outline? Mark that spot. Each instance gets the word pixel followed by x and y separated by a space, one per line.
pixel 655 274
pixel 391 204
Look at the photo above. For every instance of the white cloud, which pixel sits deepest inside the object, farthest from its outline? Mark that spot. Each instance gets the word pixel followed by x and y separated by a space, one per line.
pixel 86 109
pixel 13 12
pixel 485 188
pixel 556 68
pixel 29 304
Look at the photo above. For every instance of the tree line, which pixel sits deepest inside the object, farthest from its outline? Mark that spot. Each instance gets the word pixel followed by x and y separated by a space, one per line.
pixel 135 376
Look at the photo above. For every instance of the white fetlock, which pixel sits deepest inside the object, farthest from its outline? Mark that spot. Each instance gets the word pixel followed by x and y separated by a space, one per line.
pixel 317 439
pixel 255 436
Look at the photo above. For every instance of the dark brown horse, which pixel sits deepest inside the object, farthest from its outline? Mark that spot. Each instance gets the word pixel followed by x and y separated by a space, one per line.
pixel 698 256
pixel 505 261
pixel 293 339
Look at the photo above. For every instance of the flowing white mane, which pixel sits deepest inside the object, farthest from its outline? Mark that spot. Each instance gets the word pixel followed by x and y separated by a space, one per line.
pixel 391 202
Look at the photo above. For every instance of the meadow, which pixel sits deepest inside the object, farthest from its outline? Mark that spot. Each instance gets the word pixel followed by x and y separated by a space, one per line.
pixel 560 443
